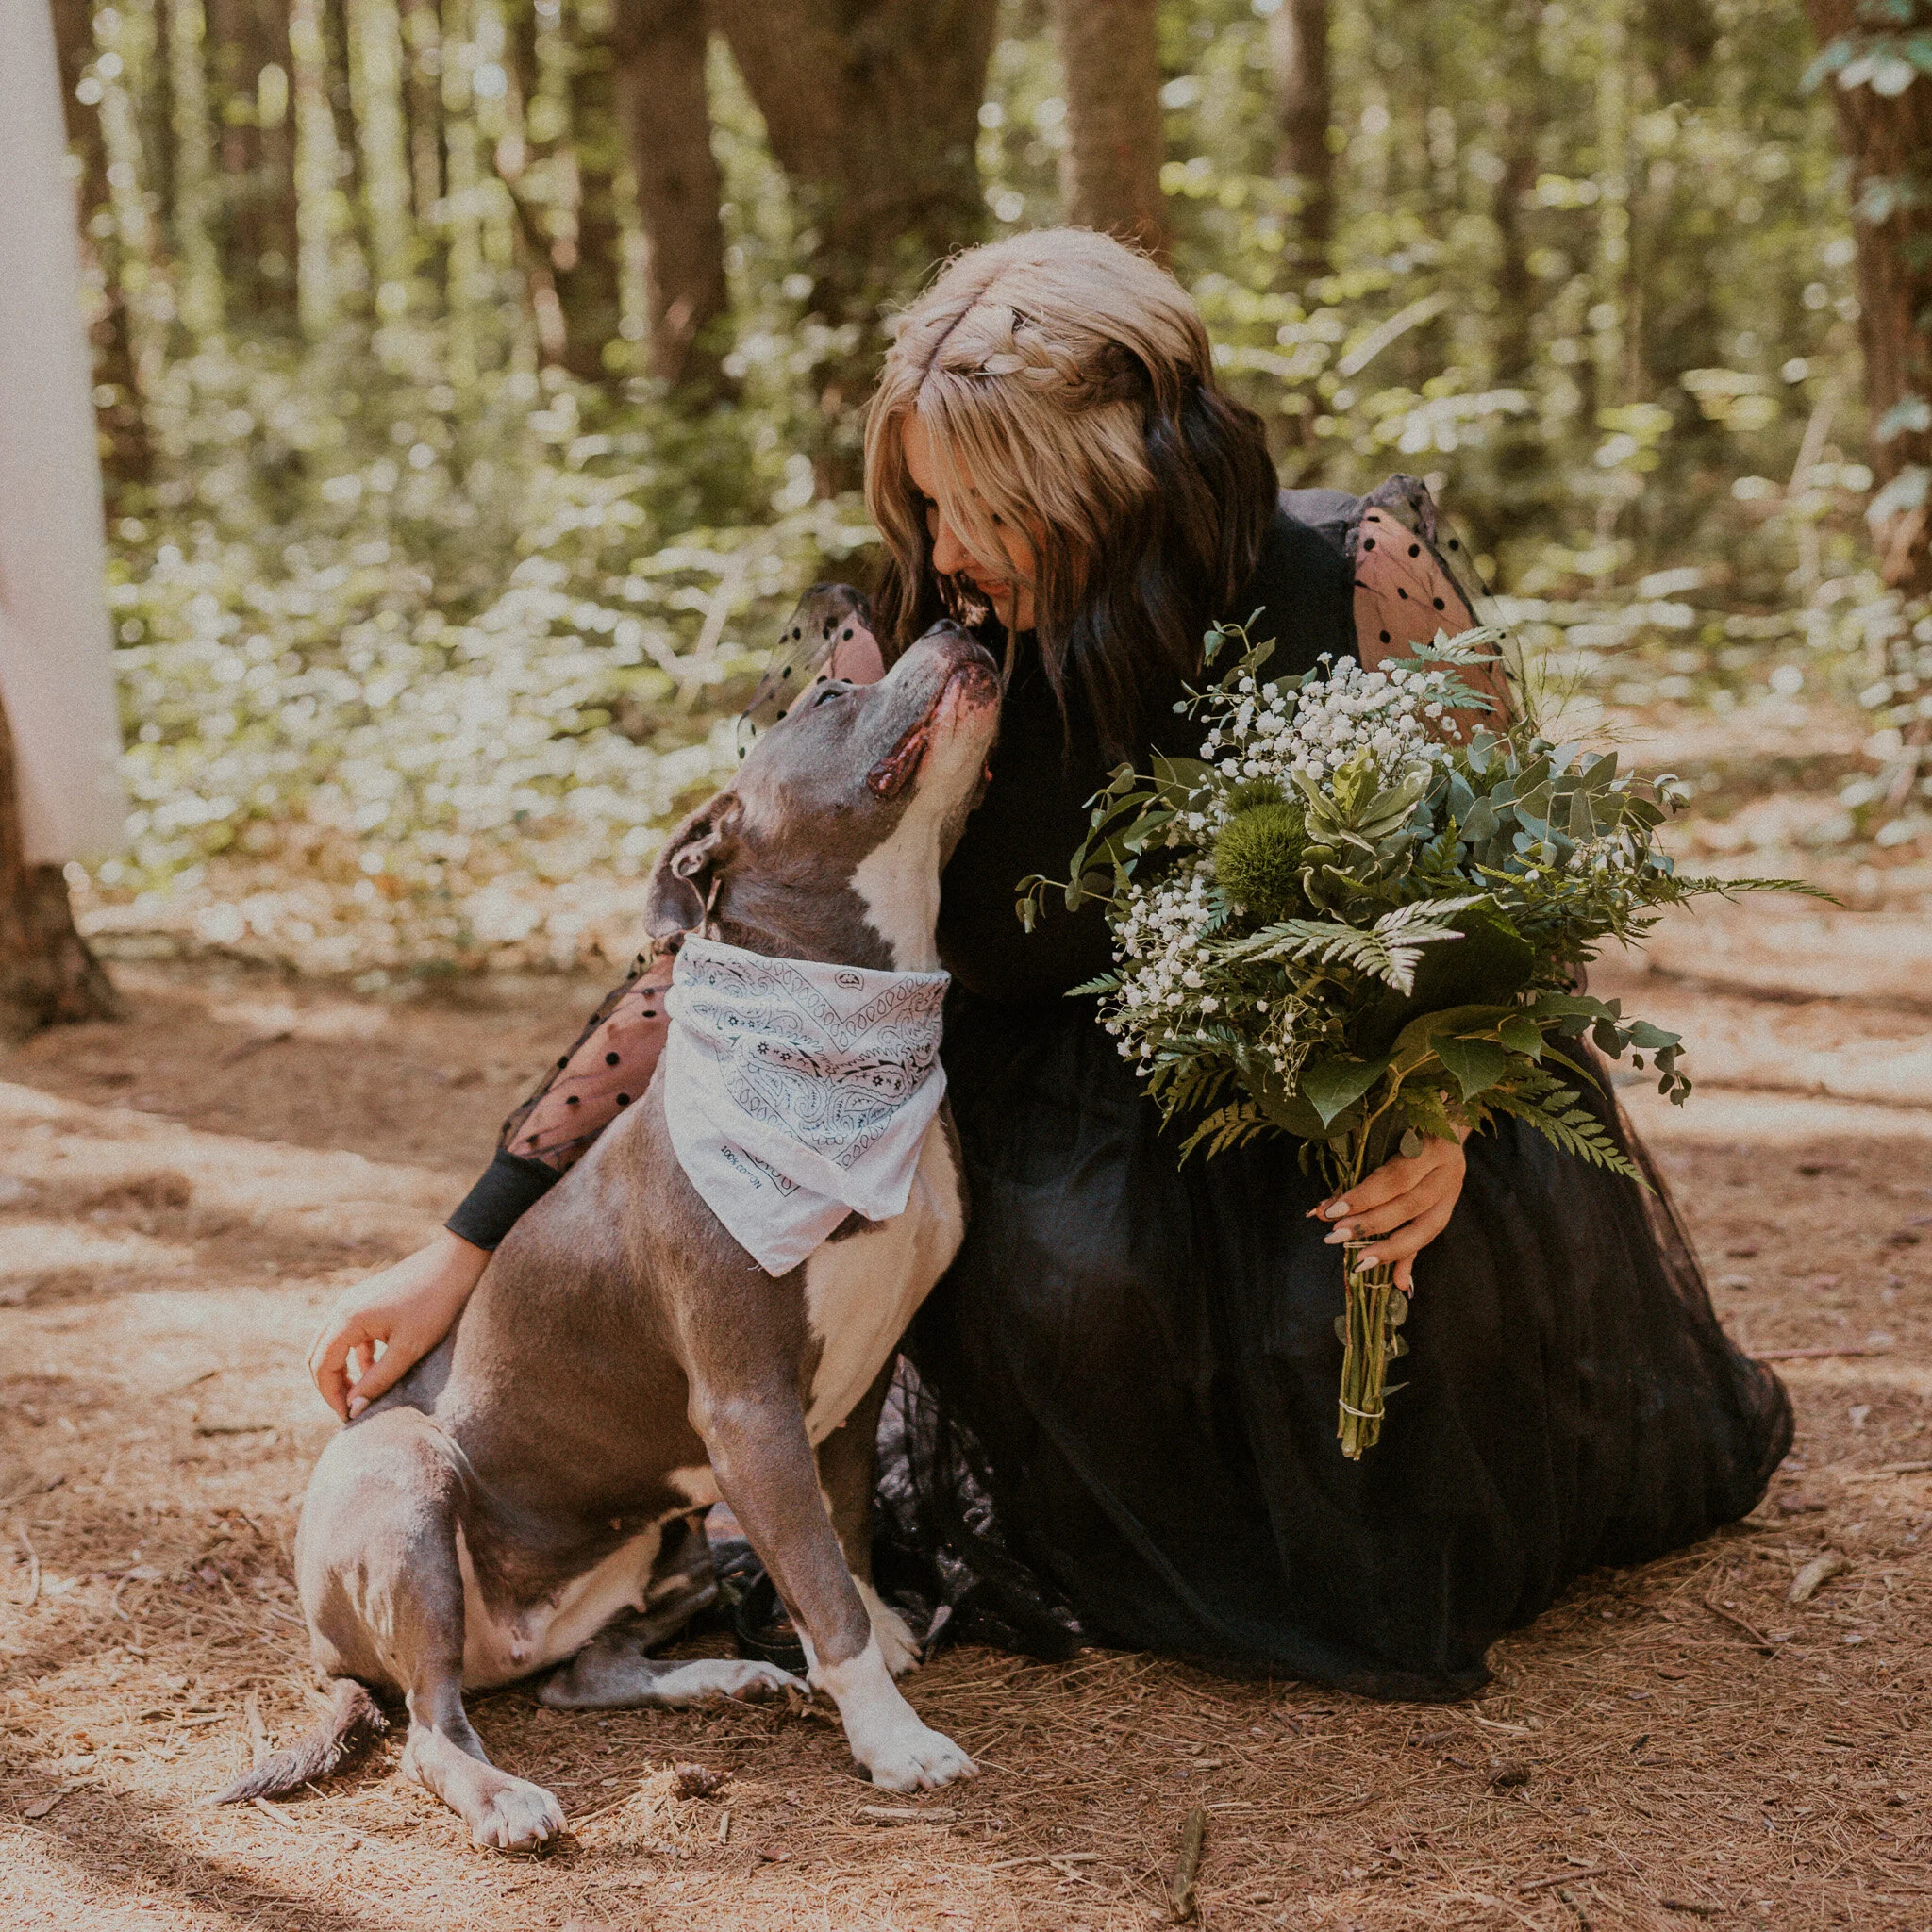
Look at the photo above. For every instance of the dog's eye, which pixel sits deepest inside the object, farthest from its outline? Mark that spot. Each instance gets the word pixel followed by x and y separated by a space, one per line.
pixel 830 691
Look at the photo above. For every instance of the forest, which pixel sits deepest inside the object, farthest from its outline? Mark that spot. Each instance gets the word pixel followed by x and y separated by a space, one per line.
pixel 477 379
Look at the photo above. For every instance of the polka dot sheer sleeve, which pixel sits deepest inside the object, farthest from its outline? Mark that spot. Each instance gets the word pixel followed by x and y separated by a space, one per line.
pixel 549 1132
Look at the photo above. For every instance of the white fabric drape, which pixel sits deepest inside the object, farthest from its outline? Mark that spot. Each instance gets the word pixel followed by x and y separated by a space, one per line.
pixel 798 1093
pixel 56 676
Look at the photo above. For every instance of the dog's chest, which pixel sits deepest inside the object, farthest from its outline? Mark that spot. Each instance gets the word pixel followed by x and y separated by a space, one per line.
pixel 862 1291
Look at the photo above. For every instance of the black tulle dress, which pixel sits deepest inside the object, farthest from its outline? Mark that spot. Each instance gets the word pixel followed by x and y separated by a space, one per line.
pixel 1123 1410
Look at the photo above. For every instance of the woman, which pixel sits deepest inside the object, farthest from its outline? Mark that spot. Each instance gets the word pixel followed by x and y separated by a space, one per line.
pixel 1138 1359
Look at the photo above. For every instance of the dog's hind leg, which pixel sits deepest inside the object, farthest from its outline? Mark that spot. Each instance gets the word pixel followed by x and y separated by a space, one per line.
pixel 762 1459
pixel 615 1668
pixel 848 1469
pixel 384 1589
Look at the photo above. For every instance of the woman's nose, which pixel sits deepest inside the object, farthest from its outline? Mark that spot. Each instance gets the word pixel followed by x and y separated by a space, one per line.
pixel 949 555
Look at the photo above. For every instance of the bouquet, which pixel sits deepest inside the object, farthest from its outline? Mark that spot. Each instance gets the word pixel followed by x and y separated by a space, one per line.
pixel 1362 917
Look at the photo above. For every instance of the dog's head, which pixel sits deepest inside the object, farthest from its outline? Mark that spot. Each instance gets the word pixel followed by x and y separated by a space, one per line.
pixel 830 842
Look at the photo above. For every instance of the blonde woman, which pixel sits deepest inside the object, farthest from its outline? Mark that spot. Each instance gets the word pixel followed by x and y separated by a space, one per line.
pixel 1122 1420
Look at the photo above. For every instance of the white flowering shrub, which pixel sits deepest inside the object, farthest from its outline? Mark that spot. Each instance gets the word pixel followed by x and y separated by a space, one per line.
pixel 408 683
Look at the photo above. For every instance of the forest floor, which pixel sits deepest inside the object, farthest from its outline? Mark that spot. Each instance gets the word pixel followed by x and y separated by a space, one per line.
pixel 1670 1746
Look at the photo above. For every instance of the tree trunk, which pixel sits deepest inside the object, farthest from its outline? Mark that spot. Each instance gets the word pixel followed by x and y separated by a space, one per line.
pixel 1889 144
pixel 666 118
pixel 1110 168
pixel 1304 103
pixel 127 454
pixel 47 975
pixel 872 107
pixel 590 265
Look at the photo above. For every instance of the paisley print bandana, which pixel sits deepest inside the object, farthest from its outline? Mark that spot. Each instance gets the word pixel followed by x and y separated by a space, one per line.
pixel 798 1093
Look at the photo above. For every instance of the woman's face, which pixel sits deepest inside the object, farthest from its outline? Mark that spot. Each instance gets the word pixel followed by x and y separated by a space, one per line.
pixel 1007 591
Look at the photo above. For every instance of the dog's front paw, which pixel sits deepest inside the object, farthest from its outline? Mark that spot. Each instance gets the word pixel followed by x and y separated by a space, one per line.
pixel 914 1758
pixel 897 1644
pixel 517 1817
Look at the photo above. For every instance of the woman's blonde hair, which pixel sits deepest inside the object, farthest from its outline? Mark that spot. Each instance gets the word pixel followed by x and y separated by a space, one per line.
pixel 1072 380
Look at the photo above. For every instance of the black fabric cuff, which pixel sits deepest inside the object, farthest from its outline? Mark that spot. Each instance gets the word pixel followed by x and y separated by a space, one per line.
pixel 507 1189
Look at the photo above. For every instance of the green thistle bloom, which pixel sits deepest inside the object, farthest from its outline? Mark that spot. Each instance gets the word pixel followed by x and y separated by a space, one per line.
pixel 1257 857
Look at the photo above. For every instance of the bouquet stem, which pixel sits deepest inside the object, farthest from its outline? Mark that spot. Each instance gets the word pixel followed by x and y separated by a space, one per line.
pixel 1375 1308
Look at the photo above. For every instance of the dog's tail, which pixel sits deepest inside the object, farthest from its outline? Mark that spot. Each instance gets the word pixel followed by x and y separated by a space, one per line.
pixel 354 1723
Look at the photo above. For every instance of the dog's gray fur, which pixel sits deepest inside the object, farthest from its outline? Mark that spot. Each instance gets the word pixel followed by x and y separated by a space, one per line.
pixel 530 1495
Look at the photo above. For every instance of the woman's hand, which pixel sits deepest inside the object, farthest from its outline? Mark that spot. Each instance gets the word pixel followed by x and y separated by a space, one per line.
pixel 1410 1200
pixel 408 1309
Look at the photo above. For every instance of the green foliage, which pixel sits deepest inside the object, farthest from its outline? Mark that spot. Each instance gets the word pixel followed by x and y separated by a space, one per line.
pixel 424 637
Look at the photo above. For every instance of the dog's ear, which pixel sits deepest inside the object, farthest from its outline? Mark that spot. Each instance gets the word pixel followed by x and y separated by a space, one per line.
pixel 681 880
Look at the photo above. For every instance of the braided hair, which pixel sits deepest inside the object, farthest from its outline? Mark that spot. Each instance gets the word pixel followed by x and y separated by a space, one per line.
pixel 1067 387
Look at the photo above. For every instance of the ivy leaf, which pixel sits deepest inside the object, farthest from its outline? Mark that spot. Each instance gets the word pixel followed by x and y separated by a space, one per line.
pixel 1476 1064
pixel 1331 1087
pixel 1522 1036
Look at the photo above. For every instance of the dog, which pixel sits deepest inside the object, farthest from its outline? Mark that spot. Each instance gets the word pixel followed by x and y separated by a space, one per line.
pixel 531 1495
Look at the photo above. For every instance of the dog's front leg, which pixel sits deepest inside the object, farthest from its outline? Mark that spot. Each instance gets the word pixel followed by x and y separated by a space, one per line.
pixel 848 1473
pixel 763 1461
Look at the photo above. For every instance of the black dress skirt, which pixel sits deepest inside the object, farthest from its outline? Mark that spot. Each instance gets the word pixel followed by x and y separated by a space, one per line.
pixel 1122 1419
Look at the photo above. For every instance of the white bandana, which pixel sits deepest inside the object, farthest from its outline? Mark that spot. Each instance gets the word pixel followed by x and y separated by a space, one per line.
pixel 798 1093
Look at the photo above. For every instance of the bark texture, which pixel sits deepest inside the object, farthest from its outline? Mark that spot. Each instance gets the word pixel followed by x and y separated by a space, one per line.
pixel 1110 168
pixel 47 975
pixel 1889 144
pixel 589 262
pixel 872 107
pixel 666 119
pixel 1303 107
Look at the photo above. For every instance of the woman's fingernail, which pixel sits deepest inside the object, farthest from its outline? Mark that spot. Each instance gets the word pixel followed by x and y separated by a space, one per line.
pixel 1337 1234
pixel 357 1406
pixel 1335 1208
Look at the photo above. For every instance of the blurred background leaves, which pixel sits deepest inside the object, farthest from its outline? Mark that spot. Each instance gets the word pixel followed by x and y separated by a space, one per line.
pixel 478 380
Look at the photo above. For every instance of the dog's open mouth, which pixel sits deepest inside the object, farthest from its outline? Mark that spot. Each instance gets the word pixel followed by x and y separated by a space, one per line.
pixel 895 771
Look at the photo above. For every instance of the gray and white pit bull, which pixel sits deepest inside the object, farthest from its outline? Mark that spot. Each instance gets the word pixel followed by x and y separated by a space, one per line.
pixel 531 1493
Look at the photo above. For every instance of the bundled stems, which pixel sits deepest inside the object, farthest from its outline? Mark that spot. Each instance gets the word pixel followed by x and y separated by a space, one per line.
pixel 1374 1309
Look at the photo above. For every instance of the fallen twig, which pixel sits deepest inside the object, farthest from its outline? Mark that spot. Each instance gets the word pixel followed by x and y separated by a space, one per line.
pixel 1563 1878
pixel 904 1814
pixel 280 1817
pixel 258 1731
pixel 1887 1470
pixel 1814 1354
pixel 1759 1640
pixel 1045 1859
pixel 1182 1900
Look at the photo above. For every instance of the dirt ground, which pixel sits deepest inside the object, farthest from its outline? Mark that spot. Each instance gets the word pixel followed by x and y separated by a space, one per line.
pixel 1673 1746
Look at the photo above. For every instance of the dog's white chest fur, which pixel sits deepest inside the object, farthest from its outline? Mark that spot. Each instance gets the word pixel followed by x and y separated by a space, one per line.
pixel 861 1292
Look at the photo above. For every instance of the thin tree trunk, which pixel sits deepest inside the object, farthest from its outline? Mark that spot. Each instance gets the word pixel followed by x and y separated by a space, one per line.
pixel 665 115
pixel 872 107
pixel 1110 167
pixel 127 456
pixel 1304 109
pixel 48 974
pixel 1889 144
pixel 1516 113
pixel 590 265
